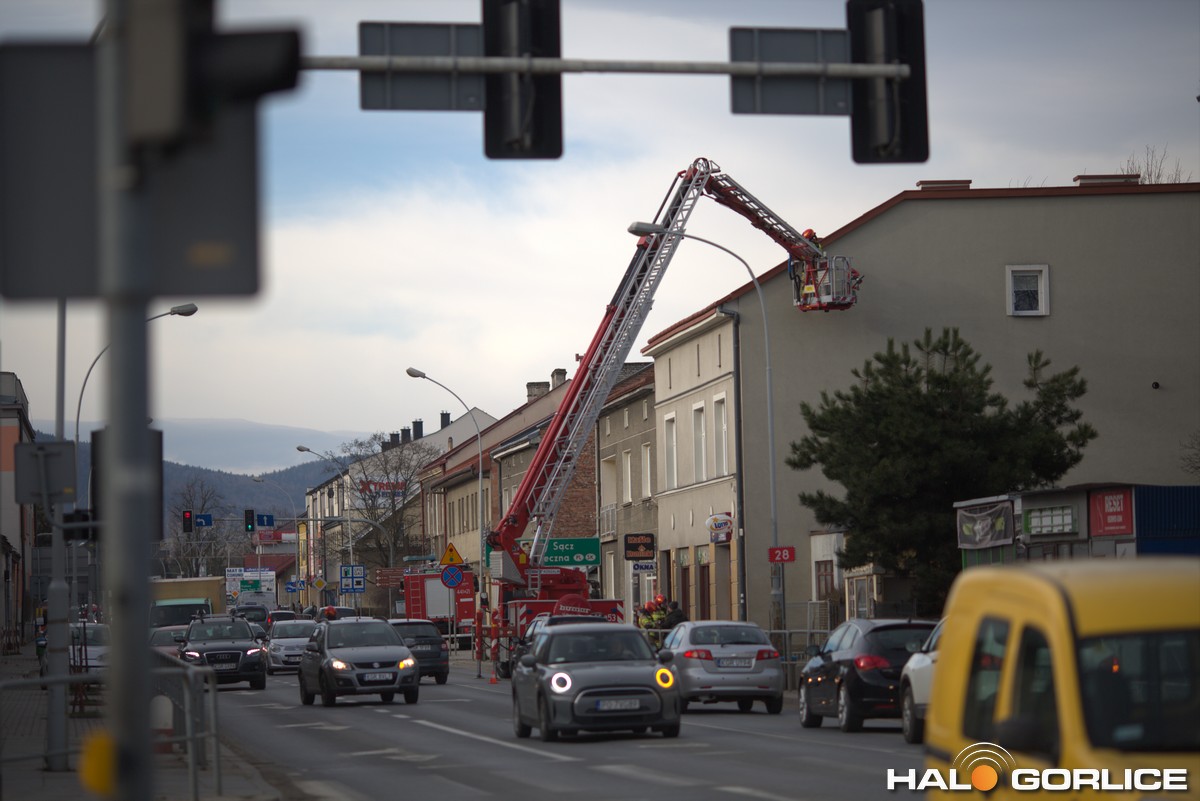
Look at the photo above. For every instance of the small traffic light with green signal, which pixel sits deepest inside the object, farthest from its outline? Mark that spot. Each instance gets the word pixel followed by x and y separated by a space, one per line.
pixel 249 520
pixel 187 521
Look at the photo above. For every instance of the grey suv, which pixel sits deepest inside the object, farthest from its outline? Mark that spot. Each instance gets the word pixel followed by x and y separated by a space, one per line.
pixel 427 644
pixel 357 656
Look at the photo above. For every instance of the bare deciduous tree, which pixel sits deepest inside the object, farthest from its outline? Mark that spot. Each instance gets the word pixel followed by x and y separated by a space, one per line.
pixel 208 549
pixel 1152 168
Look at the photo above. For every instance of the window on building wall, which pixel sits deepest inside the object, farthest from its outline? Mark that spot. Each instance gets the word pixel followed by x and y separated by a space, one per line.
pixel 720 439
pixel 645 410
pixel 669 455
pixel 607 426
pixel 625 416
pixel 824 576
pixel 1051 520
pixel 646 470
pixel 699 444
pixel 1027 290
pixel 626 476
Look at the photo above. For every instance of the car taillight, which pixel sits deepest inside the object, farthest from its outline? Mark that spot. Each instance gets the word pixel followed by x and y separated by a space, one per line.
pixel 444 646
pixel 698 653
pixel 767 653
pixel 870 662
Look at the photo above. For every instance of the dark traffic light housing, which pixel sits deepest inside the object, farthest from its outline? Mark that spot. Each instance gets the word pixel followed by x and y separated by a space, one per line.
pixel 889 120
pixel 249 519
pixel 522 116
pixel 182 73
pixel 77 525
pixel 187 521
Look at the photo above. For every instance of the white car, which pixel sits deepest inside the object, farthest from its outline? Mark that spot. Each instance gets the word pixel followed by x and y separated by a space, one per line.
pixel 89 647
pixel 916 682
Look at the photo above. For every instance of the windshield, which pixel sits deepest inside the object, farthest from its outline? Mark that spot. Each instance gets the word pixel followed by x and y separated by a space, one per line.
pixel 91 635
pixel 417 630
pixel 607 647
pixel 282 631
pixel 900 638
pixel 359 635
pixel 1140 691
pixel 729 635
pixel 221 630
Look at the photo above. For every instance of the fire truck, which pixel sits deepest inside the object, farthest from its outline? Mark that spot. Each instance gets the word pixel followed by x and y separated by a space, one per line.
pixel 522 585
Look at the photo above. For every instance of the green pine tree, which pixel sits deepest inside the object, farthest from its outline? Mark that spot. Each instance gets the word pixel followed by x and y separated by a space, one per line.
pixel 921 429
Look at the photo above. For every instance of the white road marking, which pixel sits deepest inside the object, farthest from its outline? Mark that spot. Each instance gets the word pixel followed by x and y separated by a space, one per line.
pixel 314 725
pixel 502 743
pixel 648 775
pixel 750 792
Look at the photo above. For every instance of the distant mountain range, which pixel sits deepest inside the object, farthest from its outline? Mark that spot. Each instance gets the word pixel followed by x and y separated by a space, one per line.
pixel 227 455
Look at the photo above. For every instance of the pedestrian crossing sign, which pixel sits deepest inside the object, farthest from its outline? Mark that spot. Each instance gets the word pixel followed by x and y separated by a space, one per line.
pixel 451 557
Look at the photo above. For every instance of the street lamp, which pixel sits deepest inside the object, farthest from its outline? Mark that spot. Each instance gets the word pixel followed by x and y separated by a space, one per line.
pixel 345 508
pixel 295 519
pixel 185 310
pixel 415 373
pixel 777 610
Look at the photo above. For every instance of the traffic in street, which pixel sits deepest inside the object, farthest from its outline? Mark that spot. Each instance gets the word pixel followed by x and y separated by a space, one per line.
pixel 458 742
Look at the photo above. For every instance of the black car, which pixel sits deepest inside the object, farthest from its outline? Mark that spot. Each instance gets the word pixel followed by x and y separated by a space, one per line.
pixel 357 656
pixel 427 644
pixel 594 677
pixel 229 647
pixel 856 674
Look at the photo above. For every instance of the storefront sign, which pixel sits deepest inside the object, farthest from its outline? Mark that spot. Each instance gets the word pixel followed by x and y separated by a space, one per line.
pixel 639 547
pixel 1110 512
pixel 985 526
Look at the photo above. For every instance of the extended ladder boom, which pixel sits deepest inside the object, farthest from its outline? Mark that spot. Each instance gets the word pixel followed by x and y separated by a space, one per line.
pixel 553 464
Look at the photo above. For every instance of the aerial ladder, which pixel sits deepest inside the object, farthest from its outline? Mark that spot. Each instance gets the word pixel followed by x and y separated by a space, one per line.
pixel 820 283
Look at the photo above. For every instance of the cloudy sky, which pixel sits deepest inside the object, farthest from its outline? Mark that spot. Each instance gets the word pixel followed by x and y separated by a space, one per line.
pixel 390 241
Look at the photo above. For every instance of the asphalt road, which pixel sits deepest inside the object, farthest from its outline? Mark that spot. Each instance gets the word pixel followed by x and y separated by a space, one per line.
pixel 457 743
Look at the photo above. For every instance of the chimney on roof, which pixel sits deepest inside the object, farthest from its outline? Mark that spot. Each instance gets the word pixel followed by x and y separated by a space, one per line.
pixel 392 442
pixel 535 390
pixel 956 183
pixel 558 377
pixel 1100 180
pixel 418 429
pixel 445 419
pixel 405 435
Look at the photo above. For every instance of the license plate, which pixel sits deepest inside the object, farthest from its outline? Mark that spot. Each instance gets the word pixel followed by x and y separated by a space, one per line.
pixel 377 676
pixel 734 662
pixel 224 666
pixel 617 705
pixel 421 647
pixel 290 659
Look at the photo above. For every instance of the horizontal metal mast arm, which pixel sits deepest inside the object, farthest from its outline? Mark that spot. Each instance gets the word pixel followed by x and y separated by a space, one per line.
pixel 543 66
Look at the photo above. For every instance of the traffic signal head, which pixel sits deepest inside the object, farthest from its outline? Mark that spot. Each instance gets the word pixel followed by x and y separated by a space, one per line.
pixel 249 520
pixel 187 521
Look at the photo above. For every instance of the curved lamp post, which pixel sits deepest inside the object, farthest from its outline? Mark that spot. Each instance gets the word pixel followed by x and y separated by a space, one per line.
pixel 345 510
pixel 645 229
pixel 415 373
pixel 185 310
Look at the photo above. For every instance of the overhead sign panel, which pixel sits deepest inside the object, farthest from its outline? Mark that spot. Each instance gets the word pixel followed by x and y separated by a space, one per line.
pixel 420 91
pixel 764 94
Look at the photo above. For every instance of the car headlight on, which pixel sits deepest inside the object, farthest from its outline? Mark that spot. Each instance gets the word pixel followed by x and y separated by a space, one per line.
pixel 191 656
pixel 338 664
pixel 560 682
pixel 406 663
pixel 255 651
pixel 665 678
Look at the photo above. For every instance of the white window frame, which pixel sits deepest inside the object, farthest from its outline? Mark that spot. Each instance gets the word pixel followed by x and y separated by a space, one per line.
pixel 720 436
pixel 646 488
pixel 1014 273
pixel 626 476
pixel 699 443
pixel 670 453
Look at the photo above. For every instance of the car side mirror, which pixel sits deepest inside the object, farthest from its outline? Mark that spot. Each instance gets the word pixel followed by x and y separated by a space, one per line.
pixel 527 660
pixel 179 638
pixel 312 646
pixel 665 656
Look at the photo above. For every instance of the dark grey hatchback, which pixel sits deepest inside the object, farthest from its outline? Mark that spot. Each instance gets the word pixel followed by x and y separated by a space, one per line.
pixel 427 644
pixel 357 656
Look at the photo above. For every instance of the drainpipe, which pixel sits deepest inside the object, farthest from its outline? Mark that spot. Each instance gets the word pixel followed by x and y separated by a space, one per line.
pixel 740 538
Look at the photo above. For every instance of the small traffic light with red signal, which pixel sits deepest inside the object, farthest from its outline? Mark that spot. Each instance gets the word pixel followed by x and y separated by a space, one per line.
pixel 187 521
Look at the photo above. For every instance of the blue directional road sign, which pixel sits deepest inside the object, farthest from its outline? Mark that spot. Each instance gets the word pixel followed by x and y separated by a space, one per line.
pixel 452 576
pixel 266 521
pixel 203 521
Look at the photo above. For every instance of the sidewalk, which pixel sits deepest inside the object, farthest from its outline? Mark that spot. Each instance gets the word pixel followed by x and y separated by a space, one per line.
pixel 23 713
